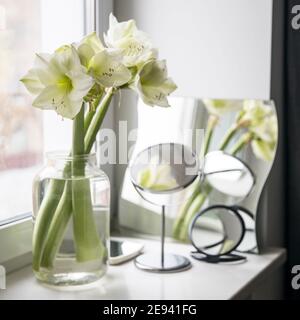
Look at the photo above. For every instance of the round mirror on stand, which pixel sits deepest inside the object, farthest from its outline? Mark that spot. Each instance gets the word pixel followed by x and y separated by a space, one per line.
pixel 164 174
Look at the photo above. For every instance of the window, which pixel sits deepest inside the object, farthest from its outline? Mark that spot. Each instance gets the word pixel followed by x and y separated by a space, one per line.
pixel 26 27
pixel 20 126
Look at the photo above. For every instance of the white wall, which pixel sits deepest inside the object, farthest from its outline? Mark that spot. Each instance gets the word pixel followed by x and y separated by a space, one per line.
pixel 214 48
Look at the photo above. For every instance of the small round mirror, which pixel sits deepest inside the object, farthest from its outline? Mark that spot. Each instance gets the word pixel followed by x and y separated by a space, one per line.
pixel 163 173
pixel 248 243
pixel 230 178
pixel 217 231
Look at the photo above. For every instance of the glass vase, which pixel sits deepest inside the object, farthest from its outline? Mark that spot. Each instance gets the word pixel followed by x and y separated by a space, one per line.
pixel 71 204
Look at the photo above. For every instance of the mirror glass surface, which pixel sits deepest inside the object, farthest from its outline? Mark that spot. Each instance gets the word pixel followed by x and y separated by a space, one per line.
pixel 163 173
pixel 228 176
pixel 248 243
pixel 217 231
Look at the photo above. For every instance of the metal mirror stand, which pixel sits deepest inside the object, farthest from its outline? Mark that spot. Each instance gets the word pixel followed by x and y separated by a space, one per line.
pixel 164 262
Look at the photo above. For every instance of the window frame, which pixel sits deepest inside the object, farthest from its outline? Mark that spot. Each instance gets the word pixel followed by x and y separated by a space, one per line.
pixel 16 233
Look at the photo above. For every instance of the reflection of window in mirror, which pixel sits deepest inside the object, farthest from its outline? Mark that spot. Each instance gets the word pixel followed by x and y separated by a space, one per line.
pixel 177 124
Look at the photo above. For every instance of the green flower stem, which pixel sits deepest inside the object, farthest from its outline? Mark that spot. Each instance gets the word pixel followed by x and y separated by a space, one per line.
pixel 64 209
pixel 57 227
pixel 80 208
pixel 228 136
pixel 211 123
pixel 182 213
pixel 43 220
pixel 87 241
pixel 88 119
pixel 63 212
pixel 194 206
pixel 90 113
pixel 78 143
pixel 244 140
pixel 44 217
pixel 97 120
pixel 193 209
pixel 196 201
pixel 180 219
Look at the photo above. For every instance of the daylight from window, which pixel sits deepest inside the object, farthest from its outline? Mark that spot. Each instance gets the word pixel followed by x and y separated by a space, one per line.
pixel 24 134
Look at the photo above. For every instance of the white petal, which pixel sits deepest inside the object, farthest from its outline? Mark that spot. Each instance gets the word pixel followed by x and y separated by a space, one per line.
pixel 32 82
pixel 49 98
pixel 168 86
pixel 53 99
pixel 70 108
pixel 85 54
pixel 108 71
pixel 151 95
pixel 118 30
pixel 65 59
pixel 46 73
pixel 154 96
pixel 154 72
pixel 46 76
pixel 93 41
pixel 136 51
pixel 153 85
pixel 41 60
pixel 112 20
pixel 81 84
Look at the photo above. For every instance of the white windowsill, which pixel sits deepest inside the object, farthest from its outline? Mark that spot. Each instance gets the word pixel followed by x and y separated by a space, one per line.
pixel 202 281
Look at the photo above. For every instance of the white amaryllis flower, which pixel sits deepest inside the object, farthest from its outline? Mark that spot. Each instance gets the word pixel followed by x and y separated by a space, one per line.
pixel 153 85
pixel 219 107
pixel 134 44
pixel 104 65
pixel 108 70
pixel 261 122
pixel 59 82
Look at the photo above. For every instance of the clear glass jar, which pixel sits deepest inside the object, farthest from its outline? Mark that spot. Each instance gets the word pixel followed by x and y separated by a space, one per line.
pixel 71 202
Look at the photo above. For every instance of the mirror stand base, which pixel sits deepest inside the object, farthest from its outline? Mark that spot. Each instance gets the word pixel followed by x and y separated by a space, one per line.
pixel 228 258
pixel 153 263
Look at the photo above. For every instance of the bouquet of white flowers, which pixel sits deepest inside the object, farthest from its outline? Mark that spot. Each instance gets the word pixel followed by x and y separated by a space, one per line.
pixel 75 75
